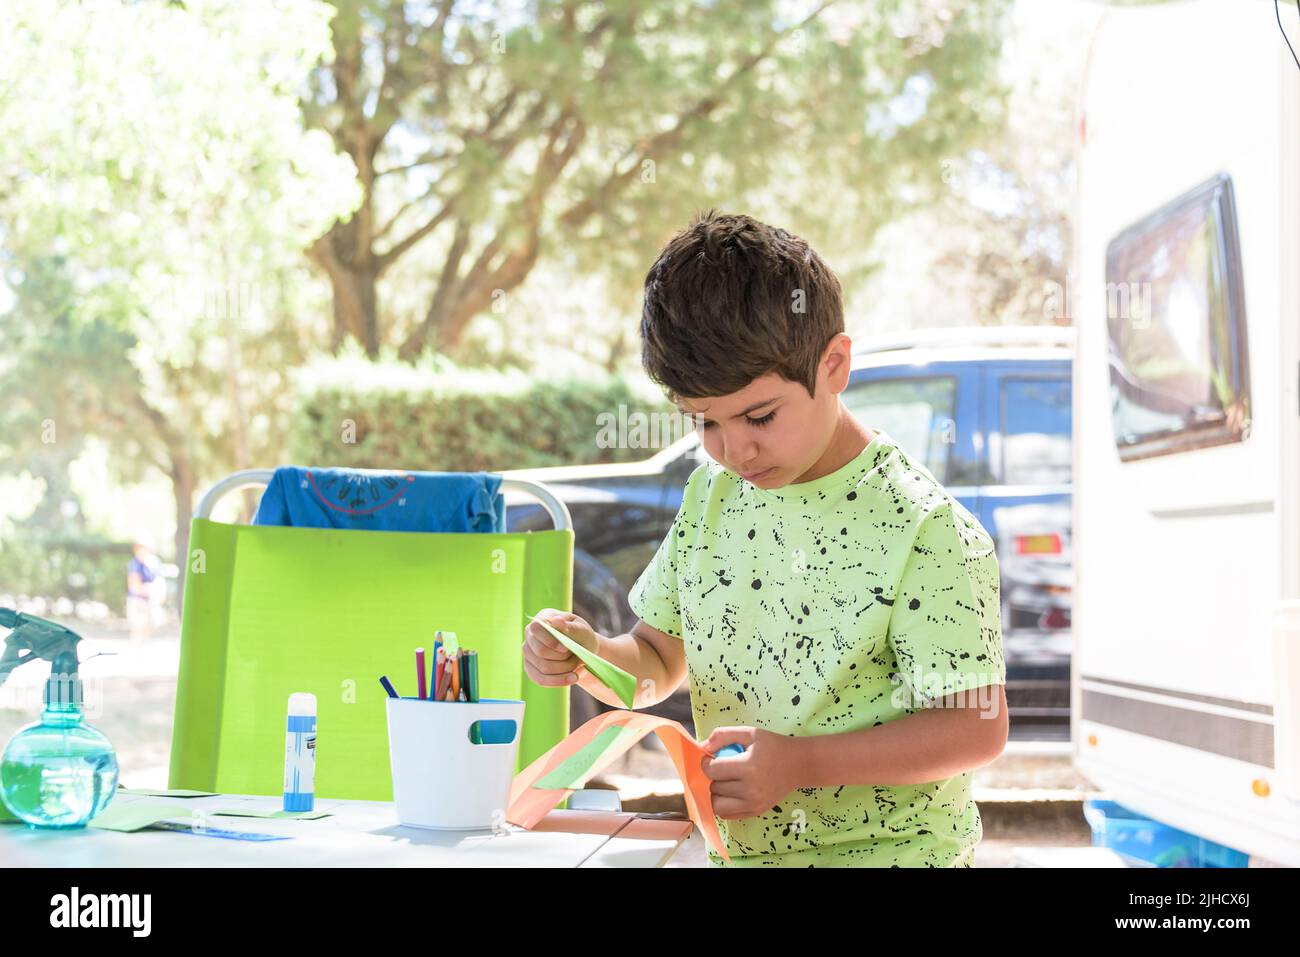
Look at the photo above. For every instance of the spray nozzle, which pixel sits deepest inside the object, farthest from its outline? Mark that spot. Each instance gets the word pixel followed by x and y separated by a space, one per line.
pixel 33 638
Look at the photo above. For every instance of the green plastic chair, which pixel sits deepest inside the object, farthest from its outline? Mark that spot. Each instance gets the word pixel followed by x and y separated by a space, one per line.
pixel 269 611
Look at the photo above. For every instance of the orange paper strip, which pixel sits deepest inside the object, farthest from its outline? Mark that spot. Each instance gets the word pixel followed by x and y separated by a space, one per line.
pixel 528 805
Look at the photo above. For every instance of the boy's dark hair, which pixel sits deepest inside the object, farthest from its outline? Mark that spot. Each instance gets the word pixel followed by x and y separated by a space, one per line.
pixel 730 299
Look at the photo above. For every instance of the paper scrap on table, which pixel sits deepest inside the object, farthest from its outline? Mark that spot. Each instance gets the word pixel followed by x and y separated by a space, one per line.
pixel 294 815
pixel 611 675
pixel 218 832
pixel 136 815
pixel 597 744
pixel 176 793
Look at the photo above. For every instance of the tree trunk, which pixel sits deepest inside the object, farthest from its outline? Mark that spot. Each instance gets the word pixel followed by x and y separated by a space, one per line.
pixel 353 282
pixel 448 289
pixel 182 475
pixel 354 309
pixel 175 455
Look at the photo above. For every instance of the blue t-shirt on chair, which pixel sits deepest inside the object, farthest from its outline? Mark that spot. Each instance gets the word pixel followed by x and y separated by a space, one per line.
pixel 383 501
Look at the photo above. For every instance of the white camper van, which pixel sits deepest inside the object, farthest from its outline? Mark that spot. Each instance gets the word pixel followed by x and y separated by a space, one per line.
pixel 1186 296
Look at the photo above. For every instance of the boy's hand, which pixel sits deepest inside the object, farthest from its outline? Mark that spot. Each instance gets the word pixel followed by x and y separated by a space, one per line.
pixel 546 661
pixel 749 784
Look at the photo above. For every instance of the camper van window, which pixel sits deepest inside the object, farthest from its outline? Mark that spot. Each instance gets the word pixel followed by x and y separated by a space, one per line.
pixel 1035 433
pixel 919 412
pixel 1177 327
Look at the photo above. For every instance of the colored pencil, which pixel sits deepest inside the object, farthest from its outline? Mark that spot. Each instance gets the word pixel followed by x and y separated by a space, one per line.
pixel 388 686
pixel 477 692
pixel 440 671
pixel 421 687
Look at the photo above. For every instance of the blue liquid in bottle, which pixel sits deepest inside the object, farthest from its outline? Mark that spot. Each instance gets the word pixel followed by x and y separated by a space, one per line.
pixel 58 772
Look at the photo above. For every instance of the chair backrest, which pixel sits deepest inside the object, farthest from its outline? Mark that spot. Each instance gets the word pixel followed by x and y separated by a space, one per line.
pixel 269 611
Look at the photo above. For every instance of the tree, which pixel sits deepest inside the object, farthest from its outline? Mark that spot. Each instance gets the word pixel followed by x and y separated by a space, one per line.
pixel 1005 246
pixel 588 131
pixel 157 187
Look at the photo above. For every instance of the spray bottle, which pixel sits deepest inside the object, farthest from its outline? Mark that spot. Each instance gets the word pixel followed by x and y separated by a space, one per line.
pixel 58 772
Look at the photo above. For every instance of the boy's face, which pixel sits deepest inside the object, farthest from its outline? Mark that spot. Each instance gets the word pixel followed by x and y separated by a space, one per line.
pixel 772 432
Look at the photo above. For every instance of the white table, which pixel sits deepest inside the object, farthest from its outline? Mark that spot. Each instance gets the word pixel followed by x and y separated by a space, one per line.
pixel 356 834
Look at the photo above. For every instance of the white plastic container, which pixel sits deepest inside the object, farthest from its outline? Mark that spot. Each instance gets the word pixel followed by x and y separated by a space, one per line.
pixel 441 779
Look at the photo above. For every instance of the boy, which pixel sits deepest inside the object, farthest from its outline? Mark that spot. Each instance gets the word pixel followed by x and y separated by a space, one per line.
pixel 835 609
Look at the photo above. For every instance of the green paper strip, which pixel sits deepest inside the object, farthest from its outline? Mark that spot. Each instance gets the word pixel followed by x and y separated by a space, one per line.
pixel 573 771
pixel 136 815
pixel 610 675
pixel 297 815
pixel 178 793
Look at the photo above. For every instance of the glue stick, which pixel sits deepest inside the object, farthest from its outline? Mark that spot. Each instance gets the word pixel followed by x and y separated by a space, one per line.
pixel 300 753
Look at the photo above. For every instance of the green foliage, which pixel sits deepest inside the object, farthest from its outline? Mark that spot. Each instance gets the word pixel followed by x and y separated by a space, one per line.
pixel 581 135
pixel 80 568
pixel 157 187
pixel 434 416
pixel 161 150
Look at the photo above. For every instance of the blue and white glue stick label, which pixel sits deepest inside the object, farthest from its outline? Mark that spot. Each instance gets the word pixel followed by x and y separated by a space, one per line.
pixel 300 753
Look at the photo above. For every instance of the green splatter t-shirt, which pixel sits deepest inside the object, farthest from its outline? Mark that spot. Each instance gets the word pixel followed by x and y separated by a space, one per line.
pixel 828 606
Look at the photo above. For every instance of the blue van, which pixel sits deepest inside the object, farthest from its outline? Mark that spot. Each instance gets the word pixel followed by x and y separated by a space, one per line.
pixel 987 410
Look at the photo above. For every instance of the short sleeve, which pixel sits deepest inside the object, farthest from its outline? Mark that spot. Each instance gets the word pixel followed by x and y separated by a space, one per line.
pixel 654 597
pixel 946 622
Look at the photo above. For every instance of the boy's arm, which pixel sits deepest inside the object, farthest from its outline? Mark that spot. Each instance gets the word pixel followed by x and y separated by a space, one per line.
pixel 657 661
pixel 965 730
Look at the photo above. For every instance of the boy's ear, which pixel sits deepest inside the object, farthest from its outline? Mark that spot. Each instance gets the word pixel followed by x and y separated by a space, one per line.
pixel 838 361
